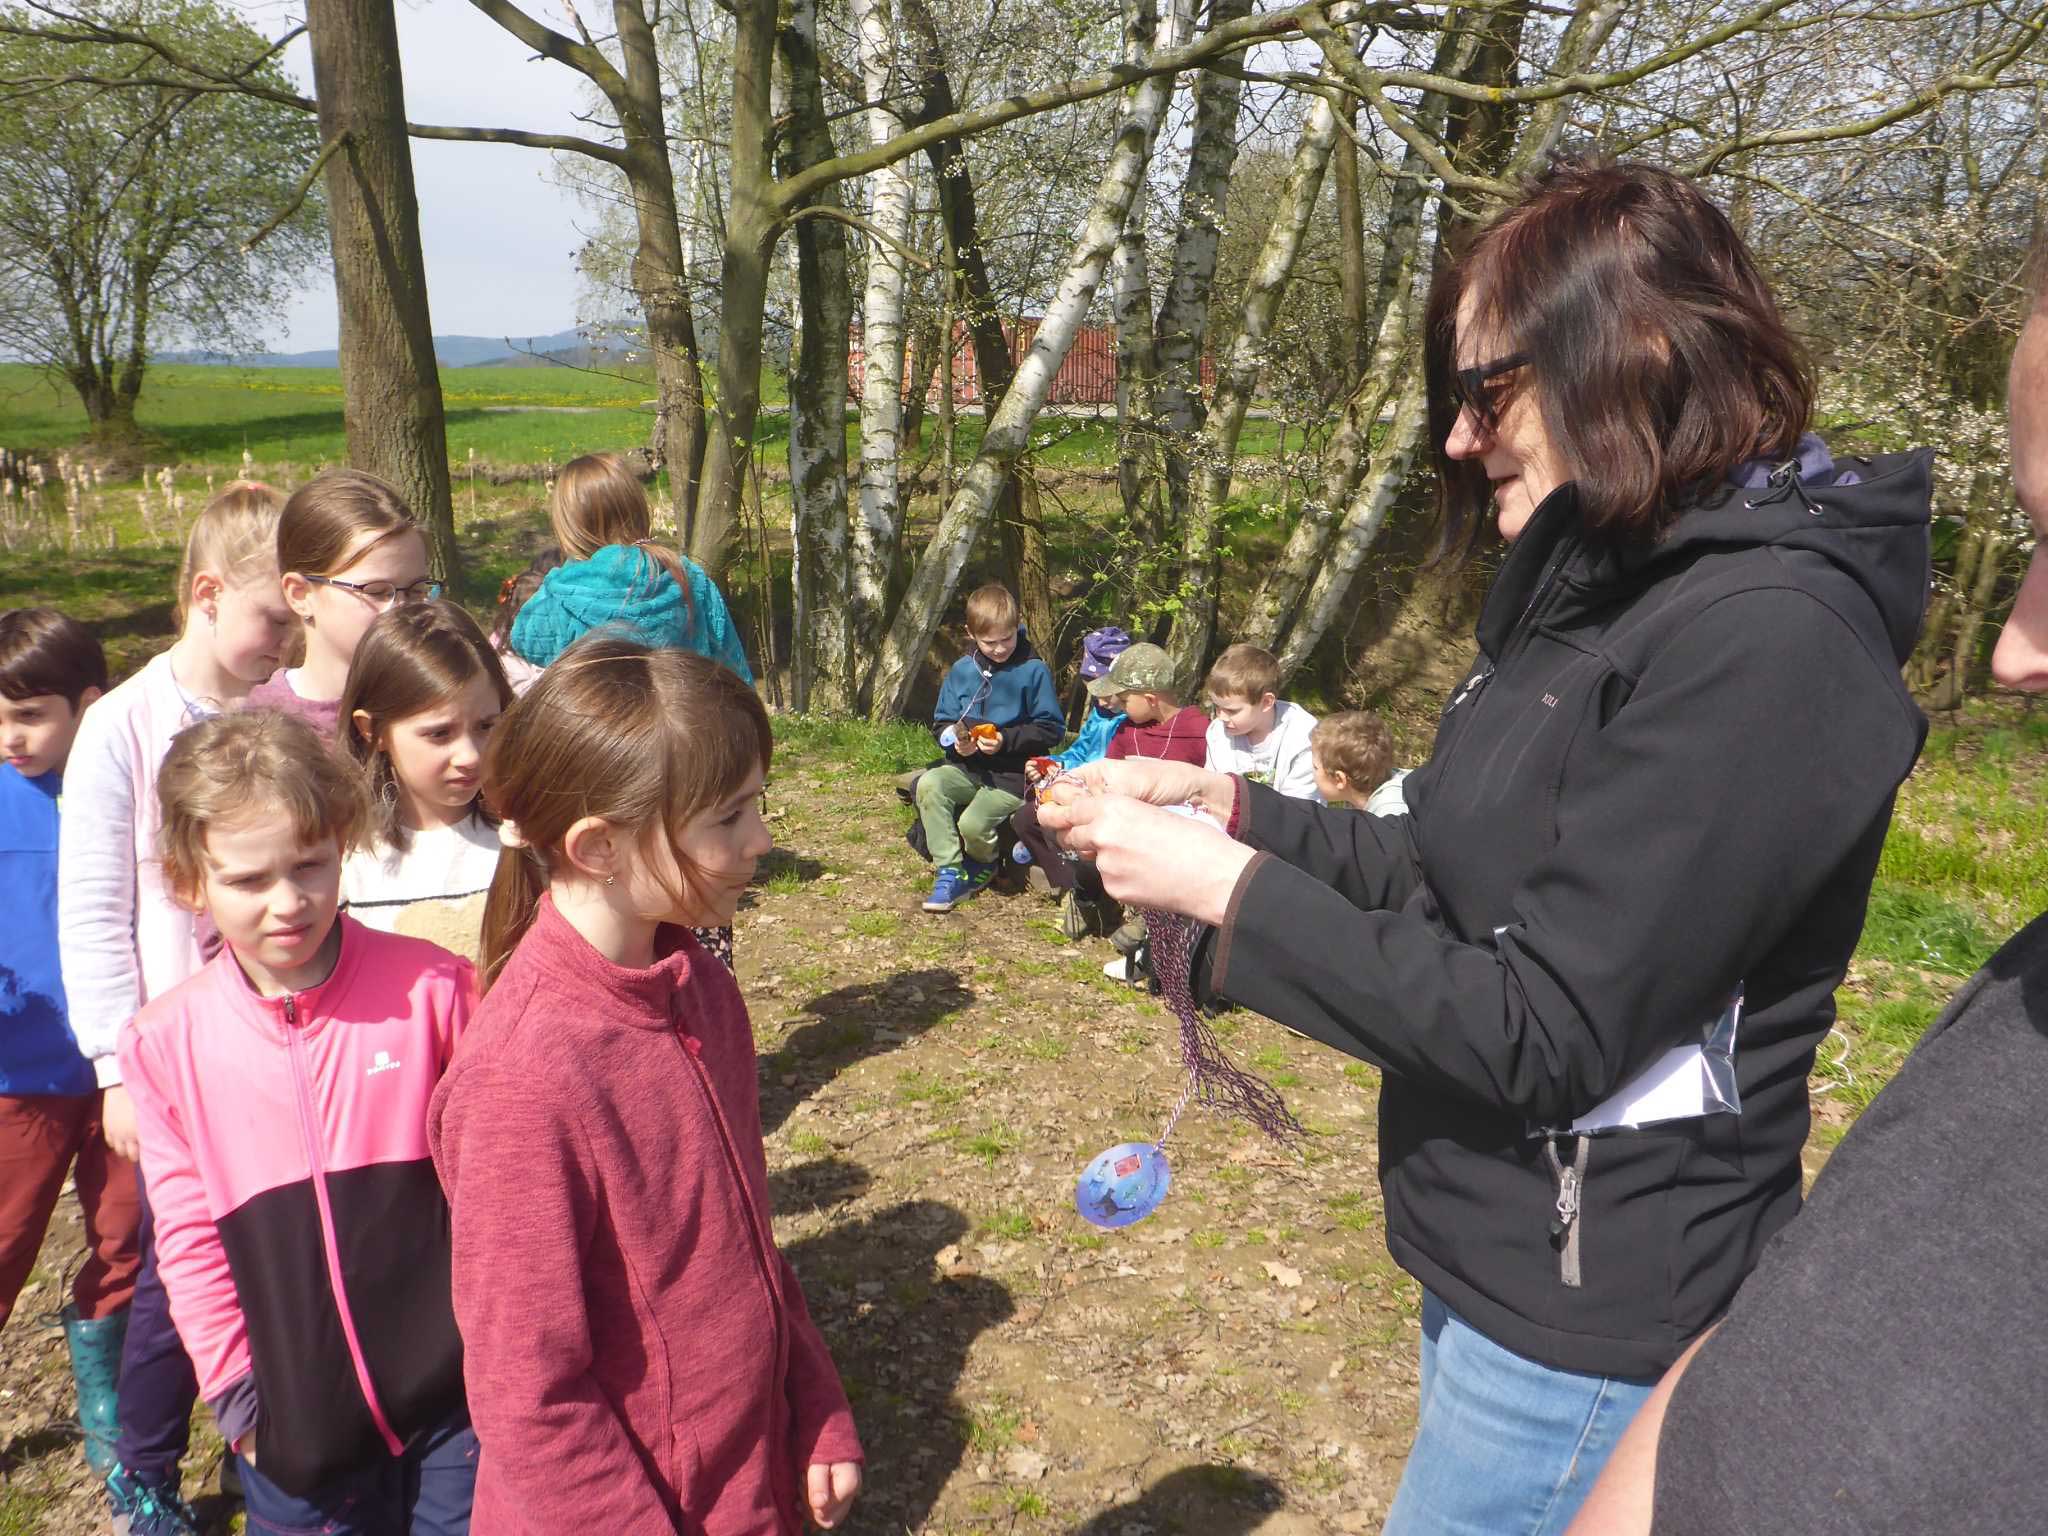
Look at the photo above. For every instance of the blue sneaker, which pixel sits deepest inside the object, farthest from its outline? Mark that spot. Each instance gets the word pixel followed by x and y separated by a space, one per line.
pixel 978 875
pixel 950 889
pixel 140 1510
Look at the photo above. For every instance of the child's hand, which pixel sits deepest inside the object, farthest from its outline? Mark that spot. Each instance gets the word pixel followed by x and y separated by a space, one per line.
pixel 831 1490
pixel 987 738
pixel 117 1123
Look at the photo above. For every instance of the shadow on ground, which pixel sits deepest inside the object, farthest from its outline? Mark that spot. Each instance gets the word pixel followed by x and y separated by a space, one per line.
pixel 852 1023
pixel 900 1335
pixel 1215 1500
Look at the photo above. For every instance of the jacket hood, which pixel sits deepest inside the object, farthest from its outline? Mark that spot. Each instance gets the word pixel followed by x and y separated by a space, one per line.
pixel 1869 517
pixel 620 585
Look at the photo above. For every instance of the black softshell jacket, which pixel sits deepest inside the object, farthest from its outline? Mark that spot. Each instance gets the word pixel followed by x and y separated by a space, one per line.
pixel 1669 775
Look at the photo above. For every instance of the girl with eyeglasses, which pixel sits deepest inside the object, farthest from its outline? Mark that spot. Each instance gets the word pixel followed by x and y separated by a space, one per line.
pixel 348 549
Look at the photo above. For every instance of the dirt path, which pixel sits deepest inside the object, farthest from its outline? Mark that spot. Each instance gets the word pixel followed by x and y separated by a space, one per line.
pixel 1242 1361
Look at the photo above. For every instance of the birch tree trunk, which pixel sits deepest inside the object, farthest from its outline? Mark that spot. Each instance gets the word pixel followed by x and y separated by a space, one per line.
pixel 1137 370
pixel 876 528
pixel 1182 327
pixel 823 629
pixel 391 383
pixel 1008 432
pixel 1238 377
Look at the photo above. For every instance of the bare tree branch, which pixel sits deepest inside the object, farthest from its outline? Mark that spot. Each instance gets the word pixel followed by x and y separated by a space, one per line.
pixel 298 196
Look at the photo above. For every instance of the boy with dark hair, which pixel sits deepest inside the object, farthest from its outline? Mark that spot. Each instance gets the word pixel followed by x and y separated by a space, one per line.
pixel 51 668
pixel 997 710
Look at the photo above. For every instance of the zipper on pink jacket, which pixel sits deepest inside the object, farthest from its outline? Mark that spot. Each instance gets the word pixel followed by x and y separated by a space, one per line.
pixel 310 1129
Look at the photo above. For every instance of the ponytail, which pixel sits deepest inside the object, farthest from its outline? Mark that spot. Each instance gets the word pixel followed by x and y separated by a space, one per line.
pixel 598 501
pixel 509 909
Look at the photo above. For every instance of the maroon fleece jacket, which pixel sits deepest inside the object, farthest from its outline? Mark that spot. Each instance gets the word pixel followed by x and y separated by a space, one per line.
pixel 1181 738
pixel 638 1355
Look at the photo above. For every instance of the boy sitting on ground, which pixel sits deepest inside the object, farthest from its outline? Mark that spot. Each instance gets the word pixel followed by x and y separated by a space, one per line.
pixel 1354 763
pixel 1256 733
pixel 997 710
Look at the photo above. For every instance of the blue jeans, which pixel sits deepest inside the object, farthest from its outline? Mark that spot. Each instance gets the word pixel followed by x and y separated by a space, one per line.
pixel 1503 1446
pixel 157 1387
pixel 425 1492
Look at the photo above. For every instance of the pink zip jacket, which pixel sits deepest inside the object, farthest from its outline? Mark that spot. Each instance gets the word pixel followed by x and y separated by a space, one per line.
pixel 640 1357
pixel 300 1231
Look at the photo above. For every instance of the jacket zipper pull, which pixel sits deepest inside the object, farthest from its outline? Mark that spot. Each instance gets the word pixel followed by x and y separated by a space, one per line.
pixel 1564 1221
pixel 291 1010
pixel 1472 685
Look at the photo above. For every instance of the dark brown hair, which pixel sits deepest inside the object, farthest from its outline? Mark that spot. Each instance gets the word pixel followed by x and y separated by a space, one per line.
pixel 318 530
pixel 1656 352
pixel 1245 672
pixel 1357 744
pixel 648 740
pixel 44 651
pixel 410 659
pixel 254 761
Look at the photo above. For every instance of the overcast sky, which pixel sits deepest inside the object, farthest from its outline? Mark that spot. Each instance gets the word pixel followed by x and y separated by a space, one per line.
pixel 499 236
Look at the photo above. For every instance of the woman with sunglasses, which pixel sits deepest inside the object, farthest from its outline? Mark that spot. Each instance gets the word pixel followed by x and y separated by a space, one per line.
pixel 1595 960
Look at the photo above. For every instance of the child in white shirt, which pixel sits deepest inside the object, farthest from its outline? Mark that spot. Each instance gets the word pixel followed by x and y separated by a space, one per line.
pixel 1255 733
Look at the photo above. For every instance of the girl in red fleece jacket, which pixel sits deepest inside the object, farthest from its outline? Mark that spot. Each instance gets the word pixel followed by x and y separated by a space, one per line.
pixel 638 1355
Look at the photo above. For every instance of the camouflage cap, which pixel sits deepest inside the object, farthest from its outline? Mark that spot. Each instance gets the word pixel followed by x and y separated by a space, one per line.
pixel 1142 668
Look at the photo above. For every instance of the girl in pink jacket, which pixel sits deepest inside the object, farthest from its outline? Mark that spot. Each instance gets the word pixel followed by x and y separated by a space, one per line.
pixel 282 1096
pixel 639 1355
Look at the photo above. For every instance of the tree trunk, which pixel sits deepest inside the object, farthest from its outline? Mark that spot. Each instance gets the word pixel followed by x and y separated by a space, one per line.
pixel 1137 372
pixel 878 526
pixel 918 369
pixel 750 230
pixel 391 385
pixel 1356 294
pixel 1008 431
pixel 1973 605
pixel 826 635
pixel 661 279
pixel 1236 380
pixel 1181 330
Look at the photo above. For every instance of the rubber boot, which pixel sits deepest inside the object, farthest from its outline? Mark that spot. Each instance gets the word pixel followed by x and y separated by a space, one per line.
pixel 95 1346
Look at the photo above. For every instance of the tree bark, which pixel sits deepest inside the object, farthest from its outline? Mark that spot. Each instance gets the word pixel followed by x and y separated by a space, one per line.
pixel 1266 286
pixel 1137 374
pixel 753 212
pixel 1008 432
pixel 1355 291
pixel 391 384
pixel 829 614
pixel 661 279
pixel 879 523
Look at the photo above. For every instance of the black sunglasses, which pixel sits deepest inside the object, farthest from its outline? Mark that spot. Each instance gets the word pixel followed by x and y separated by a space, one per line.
pixel 1468 385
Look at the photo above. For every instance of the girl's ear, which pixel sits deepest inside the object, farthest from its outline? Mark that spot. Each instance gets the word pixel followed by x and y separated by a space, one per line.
pixel 592 849
pixel 298 594
pixel 204 598
pixel 365 727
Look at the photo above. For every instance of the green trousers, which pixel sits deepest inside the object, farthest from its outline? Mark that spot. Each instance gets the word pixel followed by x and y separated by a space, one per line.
pixel 960 815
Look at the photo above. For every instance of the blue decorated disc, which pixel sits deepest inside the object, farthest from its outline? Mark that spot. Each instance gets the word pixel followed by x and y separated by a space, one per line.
pixel 1123 1185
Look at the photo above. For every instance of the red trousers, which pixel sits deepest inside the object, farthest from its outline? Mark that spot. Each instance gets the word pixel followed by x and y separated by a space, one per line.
pixel 39 1138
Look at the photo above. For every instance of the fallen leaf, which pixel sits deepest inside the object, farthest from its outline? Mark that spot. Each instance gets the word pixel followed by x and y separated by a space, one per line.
pixel 1285 1275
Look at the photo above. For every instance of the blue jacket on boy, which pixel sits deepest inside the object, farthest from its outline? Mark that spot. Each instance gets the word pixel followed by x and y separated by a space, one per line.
pixel 1093 742
pixel 37 1053
pixel 1016 695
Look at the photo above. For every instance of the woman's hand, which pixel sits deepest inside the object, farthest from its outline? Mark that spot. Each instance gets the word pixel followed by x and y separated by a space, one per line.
pixel 1158 782
pixel 1147 856
pixel 830 1490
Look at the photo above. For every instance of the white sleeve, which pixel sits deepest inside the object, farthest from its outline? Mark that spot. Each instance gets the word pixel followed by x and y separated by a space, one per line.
pixel 1216 753
pixel 96 865
pixel 1294 760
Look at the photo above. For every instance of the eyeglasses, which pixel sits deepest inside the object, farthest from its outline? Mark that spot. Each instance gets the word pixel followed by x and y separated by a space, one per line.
pixel 384 593
pixel 1468 385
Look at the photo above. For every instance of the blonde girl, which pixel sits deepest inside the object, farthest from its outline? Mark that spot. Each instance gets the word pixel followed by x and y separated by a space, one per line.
pixel 615 576
pixel 122 940
pixel 423 693
pixel 639 1355
pixel 347 550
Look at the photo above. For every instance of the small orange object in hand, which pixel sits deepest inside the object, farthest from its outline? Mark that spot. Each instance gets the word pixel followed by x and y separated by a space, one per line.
pixel 984 734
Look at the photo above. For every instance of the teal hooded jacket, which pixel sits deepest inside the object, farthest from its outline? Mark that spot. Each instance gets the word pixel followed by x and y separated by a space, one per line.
pixel 623 587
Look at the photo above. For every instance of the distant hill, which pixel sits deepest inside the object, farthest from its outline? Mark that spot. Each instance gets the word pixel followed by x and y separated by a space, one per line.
pixel 452 351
